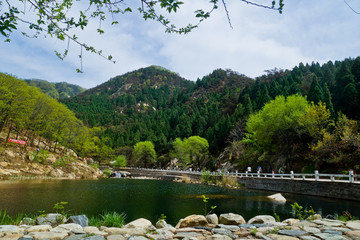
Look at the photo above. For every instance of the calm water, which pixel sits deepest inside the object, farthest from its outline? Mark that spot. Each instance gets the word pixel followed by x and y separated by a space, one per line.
pixel 151 198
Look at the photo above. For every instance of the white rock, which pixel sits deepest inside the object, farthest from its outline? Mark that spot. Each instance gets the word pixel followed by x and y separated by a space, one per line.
pixel 39 228
pixel 277 197
pixel 262 219
pixel 140 223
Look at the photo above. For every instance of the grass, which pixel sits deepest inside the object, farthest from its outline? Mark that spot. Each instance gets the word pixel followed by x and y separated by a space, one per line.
pixel 108 219
pixel 6 219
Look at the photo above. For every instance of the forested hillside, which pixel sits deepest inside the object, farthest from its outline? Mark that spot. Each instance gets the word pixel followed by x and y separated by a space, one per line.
pixel 301 119
pixel 56 90
pixel 154 104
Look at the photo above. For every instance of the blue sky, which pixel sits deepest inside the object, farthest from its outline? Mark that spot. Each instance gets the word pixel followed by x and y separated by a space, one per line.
pixel 261 39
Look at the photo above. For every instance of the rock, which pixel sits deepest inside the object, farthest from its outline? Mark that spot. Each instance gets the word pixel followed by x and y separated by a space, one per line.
pixel 122 231
pixel 218 237
pixel 280 237
pixel 308 238
pixel 51 159
pixel 90 229
pixel 160 234
pixel 52 219
pixel 69 228
pixel 48 235
pixel 94 238
pixel 224 232
pixel 293 233
pixel 9 153
pixel 329 222
pixel 116 237
pixel 82 220
pixel 39 228
pixel 76 237
pixel 265 229
pixel 27 221
pixel 212 219
pixel 191 221
pixel 232 228
pixel 328 236
pixel 137 238
pixel 277 197
pixel 314 217
pixel 291 221
pixel 231 219
pixel 161 223
pixel 262 219
pixel 311 230
pixel 190 235
pixel 355 225
pixel 332 232
pixel 10 229
pixel 140 223
pixel 305 224
pixel 355 235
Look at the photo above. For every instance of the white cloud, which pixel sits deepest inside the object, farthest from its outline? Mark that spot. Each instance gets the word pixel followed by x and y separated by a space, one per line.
pixel 261 39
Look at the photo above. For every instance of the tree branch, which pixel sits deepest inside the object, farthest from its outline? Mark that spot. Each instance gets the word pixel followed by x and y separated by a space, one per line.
pixel 351 7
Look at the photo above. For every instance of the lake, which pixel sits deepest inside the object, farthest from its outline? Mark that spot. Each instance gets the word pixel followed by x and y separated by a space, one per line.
pixel 151 198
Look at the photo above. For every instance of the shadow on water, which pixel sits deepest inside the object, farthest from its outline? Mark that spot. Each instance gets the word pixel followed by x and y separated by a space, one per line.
pixel 151 198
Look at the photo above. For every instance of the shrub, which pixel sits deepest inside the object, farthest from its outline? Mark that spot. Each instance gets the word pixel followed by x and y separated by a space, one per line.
pixel 120 161
pixel 108 219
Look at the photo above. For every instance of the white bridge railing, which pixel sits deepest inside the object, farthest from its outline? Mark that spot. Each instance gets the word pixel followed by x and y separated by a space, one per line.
pixel 351 177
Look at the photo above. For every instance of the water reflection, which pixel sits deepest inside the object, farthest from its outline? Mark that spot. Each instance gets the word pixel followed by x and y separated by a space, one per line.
pixel 150 199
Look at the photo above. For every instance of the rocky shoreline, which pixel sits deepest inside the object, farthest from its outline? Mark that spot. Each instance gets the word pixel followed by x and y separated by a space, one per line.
pixel 195 227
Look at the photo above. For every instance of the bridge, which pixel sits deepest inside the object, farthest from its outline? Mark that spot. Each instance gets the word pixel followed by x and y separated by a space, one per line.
pixel 341 186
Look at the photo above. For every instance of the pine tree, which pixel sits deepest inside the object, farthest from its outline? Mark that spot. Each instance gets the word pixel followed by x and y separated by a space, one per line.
pixel 315 93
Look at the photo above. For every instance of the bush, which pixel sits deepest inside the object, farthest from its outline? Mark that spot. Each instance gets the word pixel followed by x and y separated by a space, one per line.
pixel 108 219
pixel 120 161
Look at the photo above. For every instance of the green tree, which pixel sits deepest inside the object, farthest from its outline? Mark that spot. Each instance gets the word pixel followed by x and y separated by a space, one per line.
pixel 285 127
pixel 192 151
pixel 144 154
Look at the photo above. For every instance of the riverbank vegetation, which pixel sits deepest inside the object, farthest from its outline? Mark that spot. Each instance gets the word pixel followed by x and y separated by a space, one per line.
pixel 302 119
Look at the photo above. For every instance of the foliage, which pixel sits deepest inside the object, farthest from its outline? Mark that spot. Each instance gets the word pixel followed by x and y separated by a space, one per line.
pixel 144 153
pixel 286 127
pixel 120 161
pixel 205 176
pixel 107 172
pixel 56 90
pixel 192 151
pixel 205 200
pixel 60 208
pixel 300 212
pixel 108 219
pixel 40 156
pixel 277 217
pixel 6 219
pixel 162 217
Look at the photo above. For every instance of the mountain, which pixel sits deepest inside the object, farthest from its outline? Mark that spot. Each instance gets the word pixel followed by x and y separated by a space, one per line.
pixel 156 104
pixel 55 90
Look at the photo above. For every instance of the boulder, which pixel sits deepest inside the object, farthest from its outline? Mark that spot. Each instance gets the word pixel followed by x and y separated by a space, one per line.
pixel 231 219
pixel 192 221
pixel 27 221
pixel 82 220
pixel 52 219
pixel 354 225
pixel 48 235
pixel 39 228
pixel 262 219
pixel 277 197
pixel 140 223
pixel 212 219
pixel 160 224
pixel 9 153
pixel 51 159
pixel 354 234
pixel 69 228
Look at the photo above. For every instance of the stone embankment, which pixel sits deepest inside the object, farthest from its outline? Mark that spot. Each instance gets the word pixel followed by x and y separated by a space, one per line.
pixel 195 227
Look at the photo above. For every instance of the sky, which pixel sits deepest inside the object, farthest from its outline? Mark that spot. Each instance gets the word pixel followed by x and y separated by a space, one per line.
pixel 261 39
